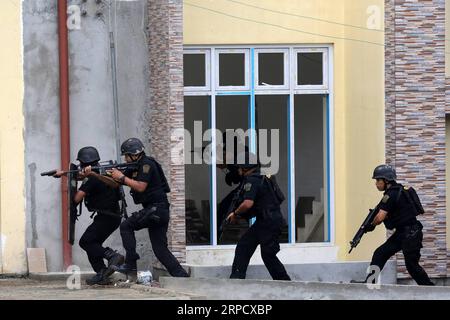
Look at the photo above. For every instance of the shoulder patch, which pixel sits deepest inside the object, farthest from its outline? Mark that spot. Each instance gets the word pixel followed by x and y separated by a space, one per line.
pixel 146 168
pixel 135 174
pixel 247 186
pixel 85 180
pixel 385 199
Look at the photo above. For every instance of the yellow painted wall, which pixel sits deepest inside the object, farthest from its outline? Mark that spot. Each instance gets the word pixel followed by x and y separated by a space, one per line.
pixel 12 171
pixel 358 83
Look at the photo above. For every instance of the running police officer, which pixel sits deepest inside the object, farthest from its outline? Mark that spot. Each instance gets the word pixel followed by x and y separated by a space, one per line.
pixel 398 211
pixel 101 196
pixel 258 196
pixel 148 187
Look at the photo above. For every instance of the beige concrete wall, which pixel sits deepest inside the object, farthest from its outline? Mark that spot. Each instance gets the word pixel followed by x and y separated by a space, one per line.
pixel 12 173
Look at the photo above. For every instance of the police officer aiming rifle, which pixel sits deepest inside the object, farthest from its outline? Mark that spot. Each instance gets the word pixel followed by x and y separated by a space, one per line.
pixel 149 187
pixel 101 196
pixel 398 210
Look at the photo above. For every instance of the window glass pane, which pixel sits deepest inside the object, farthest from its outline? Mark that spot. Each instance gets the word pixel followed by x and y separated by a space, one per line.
pixel 231 69
pixel 197 176
pixel 310 168
pixel 309 68
pixel 271 115
pixel 231 113
pixel 194 70
pixel 270 69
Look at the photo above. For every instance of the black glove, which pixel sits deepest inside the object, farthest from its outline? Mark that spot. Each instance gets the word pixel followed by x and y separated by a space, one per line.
pixel 229 179
pixel 369 228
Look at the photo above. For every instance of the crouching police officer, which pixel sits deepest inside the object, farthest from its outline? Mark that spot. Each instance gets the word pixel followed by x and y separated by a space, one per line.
pixel 398 211
pixel 258 197
pixel 148 187
pixel 101 196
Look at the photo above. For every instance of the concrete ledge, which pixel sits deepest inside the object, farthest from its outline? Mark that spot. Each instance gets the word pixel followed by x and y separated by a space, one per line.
pixel 158 272
pixel 63 276
pixel 58 276
pixel 336 272
pixel 289 254
pixel 227 289
pixel 443 282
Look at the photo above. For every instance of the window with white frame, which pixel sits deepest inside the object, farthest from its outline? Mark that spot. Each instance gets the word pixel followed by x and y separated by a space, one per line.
pixel 311 71
pixel 196 76
pixel 283 94
pixel 272 69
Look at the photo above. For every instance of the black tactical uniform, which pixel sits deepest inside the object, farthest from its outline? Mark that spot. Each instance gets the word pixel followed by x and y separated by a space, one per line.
pixel 154 216
pixel 103 201
pixel 231 178
pixel 401 216
pixel 264 232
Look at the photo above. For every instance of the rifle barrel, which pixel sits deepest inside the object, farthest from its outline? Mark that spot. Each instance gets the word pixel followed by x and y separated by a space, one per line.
pixel 48 173
pixel 362 229
pixel 120 166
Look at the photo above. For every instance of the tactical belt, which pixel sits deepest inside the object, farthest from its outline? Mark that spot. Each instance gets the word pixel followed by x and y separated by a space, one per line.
pixel 106 213
pixel 413 226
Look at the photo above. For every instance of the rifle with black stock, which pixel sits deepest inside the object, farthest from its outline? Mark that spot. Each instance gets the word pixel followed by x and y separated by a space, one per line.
pixel 124 205
pixel 364 228
pixel 72 180
pixel 101 168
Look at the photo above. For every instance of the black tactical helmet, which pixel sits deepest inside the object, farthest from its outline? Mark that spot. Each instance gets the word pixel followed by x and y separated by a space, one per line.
pixel 132 146
pixel 250 161
pixel 384 171
pixel 88 155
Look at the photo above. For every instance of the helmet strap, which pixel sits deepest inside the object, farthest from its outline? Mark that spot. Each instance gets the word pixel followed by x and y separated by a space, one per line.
pixel 136 157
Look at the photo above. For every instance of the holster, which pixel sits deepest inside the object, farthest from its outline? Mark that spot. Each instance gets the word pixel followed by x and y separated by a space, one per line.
pixel 412 237
pixel 271 213
pixel 147 215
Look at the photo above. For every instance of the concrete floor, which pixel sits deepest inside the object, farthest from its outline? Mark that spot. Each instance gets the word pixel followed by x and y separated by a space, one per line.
pixel 54 287
pixel 27 289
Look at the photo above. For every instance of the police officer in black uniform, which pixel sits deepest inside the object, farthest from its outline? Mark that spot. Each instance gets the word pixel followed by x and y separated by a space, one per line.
pixel 258 198
pixel 101 196
pixel 397 212
pixel 232 178
pixel 148 187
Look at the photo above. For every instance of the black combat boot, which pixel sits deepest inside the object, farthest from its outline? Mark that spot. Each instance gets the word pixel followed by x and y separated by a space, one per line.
pixel 99 278
pixel 129 269
pixel 114 261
